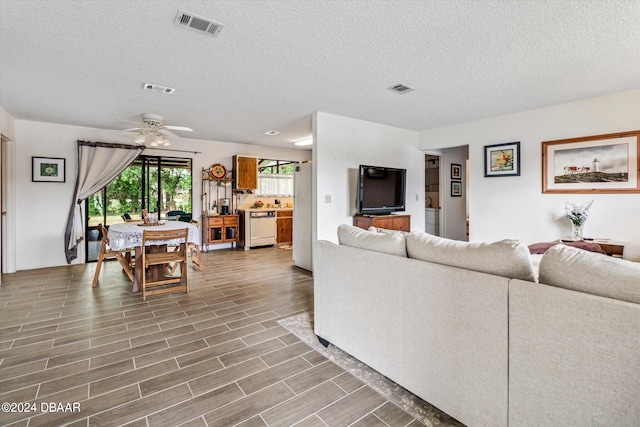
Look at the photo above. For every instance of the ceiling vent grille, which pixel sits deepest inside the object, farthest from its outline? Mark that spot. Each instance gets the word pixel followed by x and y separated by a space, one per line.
pixel 158 88
pixel 400 88
pixel 198 23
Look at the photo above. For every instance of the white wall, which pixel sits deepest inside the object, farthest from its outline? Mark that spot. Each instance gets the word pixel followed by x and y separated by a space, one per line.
pixel 7 124
pixel 514 207
pixel 341 145
pixel 42 208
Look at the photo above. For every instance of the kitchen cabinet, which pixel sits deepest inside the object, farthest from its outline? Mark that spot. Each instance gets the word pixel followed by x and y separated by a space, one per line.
pixel 220 229
pixel 245 172
pixel 389 222
pixel 284 223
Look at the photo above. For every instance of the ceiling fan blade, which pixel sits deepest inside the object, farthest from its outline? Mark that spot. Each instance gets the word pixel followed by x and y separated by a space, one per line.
pixel 169 134
pixel 182 128
pixel 129 121
pixel 131 130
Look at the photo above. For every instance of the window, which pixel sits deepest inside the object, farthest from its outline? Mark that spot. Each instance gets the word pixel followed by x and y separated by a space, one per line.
pixel 275 178
pixel 158 184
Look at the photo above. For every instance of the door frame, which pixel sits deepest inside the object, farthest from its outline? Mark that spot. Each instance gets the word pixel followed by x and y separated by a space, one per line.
pixel 8 196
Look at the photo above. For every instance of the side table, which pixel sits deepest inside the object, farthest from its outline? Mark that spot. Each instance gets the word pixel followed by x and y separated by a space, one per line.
pixel 612 248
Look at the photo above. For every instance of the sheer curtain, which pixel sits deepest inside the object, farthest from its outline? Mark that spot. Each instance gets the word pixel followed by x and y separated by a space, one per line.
pixel 275 185
pixel 98 164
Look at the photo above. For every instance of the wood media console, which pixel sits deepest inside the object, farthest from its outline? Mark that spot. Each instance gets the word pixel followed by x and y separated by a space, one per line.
pixel 389 222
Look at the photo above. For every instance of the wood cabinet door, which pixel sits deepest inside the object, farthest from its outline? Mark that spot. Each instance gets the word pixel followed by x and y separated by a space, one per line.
pixel 401 223
pixel 246 172
pixel 363 222
pixel 389 222
pixel 285 230
pixel 230 228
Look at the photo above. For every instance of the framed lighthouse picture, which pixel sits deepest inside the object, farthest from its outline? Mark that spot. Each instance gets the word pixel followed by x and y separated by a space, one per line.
pixel 592 164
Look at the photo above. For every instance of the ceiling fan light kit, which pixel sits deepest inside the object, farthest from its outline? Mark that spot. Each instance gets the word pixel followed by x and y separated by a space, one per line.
pixel 153 132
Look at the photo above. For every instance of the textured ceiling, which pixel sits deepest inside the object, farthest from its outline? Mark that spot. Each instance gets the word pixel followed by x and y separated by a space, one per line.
pixel 276 62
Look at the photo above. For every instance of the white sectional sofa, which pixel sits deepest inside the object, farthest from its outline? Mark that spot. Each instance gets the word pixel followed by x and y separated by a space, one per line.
pixel 466 326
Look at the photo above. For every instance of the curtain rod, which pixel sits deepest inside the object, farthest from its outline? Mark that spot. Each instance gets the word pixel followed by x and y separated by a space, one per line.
pixel 132 147
pixel 169 149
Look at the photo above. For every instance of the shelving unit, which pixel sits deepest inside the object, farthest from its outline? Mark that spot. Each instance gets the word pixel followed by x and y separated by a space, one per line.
pixel 218 228
pixel 222 189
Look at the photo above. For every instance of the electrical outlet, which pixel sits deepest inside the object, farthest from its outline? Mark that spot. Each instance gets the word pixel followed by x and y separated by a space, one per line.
pixel 417 197
pixel 327 198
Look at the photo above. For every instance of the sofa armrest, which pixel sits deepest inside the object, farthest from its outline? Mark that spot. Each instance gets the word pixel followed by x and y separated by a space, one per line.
pixel 574 358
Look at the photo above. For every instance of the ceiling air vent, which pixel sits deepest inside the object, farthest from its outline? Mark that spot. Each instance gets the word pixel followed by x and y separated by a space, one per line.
pixel 400 88
pixel 198 23
pixel 158 88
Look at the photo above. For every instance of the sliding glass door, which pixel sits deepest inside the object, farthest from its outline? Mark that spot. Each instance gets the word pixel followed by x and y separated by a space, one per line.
pixel 157 184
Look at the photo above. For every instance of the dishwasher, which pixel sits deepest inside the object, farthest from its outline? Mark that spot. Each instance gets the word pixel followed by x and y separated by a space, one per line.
pixel 262 228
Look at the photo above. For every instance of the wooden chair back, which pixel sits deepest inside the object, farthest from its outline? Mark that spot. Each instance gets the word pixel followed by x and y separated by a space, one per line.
pixel 157 258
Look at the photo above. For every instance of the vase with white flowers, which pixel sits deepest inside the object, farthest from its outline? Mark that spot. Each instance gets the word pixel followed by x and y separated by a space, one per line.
pixel 578 216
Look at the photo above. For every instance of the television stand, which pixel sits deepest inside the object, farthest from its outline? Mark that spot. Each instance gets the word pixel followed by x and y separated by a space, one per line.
pixel 389 222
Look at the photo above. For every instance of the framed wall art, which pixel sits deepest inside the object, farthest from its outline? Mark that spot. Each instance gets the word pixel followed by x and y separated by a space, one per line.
pixel 502 159
pixel 47 169
pixel 592 164
pixel 456 189
pixel 456 171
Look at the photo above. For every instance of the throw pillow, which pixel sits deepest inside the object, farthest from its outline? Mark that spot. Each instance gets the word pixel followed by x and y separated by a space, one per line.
pixel 506 258
pixel 385 230
pixel 393 244
pixel 566 267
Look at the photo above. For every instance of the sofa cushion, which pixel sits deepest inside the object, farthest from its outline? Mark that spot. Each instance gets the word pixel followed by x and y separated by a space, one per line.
pixel 571 268
pixel 389 243
pixel 386 230
pixel 506 258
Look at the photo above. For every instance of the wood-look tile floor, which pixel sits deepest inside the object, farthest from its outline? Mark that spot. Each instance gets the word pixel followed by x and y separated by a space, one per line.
pixel 213 357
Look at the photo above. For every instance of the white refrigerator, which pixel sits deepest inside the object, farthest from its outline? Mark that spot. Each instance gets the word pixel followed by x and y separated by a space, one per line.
pixel 302 216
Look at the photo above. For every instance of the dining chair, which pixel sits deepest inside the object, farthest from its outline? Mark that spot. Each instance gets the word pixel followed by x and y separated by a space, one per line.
pixel 194 251
pixel 156 261
pixel 194 248
pixel 107 253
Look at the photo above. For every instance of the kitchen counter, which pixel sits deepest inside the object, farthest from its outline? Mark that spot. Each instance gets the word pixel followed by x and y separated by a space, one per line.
pixel 264 209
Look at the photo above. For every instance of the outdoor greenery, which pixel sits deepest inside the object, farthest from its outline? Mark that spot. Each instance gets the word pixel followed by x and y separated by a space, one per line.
pixel 124 194
pixel 278 167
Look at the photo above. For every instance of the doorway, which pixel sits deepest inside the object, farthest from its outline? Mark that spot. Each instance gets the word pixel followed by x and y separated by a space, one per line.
pixel 432 194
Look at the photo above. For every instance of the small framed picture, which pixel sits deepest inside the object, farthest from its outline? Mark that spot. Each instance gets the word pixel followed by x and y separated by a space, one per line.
pixel 456 171
pixel 47 169
pixel 456 189
pixel 502 159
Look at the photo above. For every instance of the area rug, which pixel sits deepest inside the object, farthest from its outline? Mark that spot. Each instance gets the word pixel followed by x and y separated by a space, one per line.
pixel 300 325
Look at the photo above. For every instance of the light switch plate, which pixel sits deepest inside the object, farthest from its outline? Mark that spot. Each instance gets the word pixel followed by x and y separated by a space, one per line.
pixel 327 198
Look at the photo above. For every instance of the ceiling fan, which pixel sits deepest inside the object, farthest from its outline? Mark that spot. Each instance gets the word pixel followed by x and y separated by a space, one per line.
pixel 154 132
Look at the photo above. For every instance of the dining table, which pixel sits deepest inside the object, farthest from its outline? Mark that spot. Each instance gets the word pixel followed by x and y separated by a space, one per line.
pixel 128 236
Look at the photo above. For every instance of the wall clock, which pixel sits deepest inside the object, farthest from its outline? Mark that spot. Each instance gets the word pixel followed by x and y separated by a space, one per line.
pixel 217 171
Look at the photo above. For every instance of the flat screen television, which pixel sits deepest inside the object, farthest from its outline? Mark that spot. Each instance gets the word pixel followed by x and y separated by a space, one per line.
pixel 381 190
